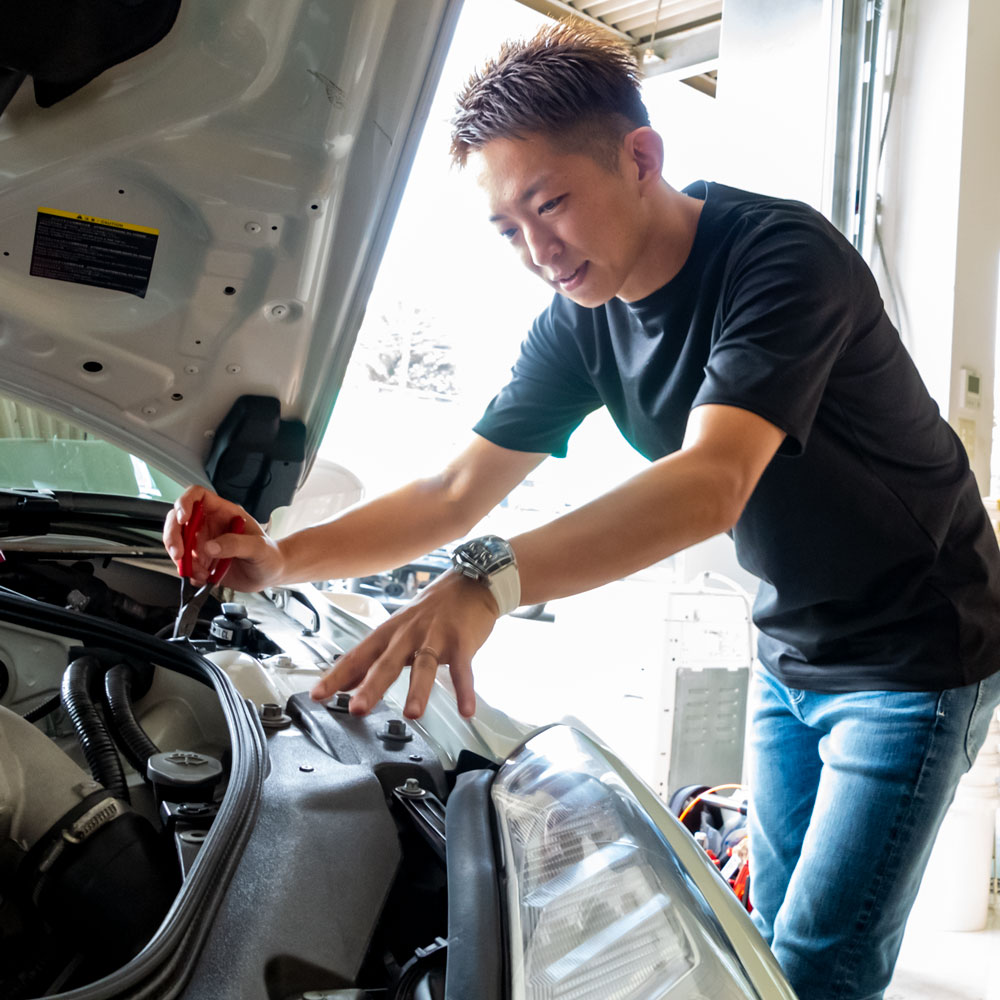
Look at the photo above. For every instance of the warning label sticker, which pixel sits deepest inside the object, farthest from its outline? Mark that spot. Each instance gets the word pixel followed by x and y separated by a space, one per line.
pixel 89 251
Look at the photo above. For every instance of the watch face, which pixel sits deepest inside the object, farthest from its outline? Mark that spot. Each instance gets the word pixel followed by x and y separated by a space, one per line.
pixel 483 556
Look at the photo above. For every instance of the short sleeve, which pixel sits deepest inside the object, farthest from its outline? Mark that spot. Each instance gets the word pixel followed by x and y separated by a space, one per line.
pixel 787 311
pixel 549 392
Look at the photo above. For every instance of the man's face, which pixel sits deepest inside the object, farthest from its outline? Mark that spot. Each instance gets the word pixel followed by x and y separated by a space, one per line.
pixel 577 225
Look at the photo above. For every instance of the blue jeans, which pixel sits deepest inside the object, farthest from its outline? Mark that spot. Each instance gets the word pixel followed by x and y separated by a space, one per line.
pixel 847 794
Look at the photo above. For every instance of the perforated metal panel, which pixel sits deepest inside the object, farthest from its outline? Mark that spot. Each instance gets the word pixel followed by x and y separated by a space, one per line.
pixel 706 746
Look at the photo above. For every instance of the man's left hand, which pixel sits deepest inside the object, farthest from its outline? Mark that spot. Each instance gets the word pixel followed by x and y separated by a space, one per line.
pixel 446 624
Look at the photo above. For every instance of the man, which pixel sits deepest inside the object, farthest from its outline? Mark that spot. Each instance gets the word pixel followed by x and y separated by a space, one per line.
pixel 740 344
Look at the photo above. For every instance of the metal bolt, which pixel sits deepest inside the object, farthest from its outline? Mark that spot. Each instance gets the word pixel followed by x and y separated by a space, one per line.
pixel 233 369
pixel 341 702
pixel 193 836
pixel 395 731
pixel 411 789
pixel 191 369
pixel 416 757
pixel 149 411
pixel 279 311
pixel 252 227
pixel 272 716
pixel 307 768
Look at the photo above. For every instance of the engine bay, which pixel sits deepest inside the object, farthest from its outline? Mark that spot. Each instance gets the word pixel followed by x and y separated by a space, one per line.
pixel 127 764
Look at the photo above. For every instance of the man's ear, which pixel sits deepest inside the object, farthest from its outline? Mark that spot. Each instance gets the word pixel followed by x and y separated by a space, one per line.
pixel 644 149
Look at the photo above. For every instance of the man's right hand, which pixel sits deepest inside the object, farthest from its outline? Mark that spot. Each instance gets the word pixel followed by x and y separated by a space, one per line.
pixel 257 560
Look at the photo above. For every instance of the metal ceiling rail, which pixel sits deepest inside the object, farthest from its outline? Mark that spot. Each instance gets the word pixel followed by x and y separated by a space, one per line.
pixel 635 21
pixel 679 37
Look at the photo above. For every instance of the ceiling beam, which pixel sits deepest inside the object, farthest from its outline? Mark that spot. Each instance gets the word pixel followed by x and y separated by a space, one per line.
pixel 560 8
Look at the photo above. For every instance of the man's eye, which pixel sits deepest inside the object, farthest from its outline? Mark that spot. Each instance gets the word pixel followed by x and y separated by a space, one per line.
pixel 550 204
pixel 508 234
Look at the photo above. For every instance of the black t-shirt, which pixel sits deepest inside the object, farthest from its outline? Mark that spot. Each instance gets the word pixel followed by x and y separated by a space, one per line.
pixel 879 568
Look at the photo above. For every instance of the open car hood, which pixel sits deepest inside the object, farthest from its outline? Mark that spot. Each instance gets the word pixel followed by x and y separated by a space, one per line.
pixel 203 222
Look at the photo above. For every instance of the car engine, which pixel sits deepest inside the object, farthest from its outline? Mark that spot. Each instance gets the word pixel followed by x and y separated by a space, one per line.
pixel 127 763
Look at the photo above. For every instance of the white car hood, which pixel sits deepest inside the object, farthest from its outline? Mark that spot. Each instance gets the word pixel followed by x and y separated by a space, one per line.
pixel 258 153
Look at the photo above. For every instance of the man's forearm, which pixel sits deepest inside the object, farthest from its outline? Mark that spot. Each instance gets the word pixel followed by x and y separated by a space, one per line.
pixel 678 501
pixel 399 526
pixel 385 532
pixel 660 511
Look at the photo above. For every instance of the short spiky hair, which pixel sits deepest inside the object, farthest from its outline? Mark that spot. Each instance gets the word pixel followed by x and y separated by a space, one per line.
pixel 572 82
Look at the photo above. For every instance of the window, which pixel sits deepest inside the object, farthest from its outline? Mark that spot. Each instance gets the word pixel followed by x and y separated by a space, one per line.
pixel 42 451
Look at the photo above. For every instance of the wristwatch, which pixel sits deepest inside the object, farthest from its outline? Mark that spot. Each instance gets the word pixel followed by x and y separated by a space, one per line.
pixel 491 561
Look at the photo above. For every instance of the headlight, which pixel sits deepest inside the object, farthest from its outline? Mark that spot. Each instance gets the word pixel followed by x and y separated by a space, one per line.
pixel 598 904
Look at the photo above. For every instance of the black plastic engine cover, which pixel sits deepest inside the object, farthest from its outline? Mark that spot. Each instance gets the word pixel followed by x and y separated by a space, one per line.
pixel 316 874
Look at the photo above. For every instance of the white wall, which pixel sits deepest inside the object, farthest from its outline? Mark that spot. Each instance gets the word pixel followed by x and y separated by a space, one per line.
pixel 940 208
pixel 775 94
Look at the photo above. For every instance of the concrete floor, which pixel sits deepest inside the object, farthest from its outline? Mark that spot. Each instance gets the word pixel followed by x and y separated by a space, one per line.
pixel 585 664
pixel 948 965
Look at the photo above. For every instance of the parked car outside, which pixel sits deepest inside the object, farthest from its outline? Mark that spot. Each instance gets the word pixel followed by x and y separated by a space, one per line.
pixel 395 588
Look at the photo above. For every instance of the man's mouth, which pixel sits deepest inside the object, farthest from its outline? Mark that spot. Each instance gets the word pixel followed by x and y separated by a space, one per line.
pixel 567 282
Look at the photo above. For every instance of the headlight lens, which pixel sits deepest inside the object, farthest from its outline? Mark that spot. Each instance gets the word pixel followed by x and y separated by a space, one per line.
pixel 599 907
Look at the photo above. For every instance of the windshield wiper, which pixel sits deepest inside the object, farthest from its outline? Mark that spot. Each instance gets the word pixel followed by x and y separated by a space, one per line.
pixel 126 520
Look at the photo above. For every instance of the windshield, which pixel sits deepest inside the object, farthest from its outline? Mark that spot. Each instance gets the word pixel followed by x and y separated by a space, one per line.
pixel 42 451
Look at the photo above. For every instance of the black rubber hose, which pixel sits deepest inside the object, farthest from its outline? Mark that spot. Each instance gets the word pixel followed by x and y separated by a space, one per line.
pixel 131 738
pixel 78 681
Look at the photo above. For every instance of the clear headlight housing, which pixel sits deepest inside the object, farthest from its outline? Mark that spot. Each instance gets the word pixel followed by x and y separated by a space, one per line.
pixel 598 904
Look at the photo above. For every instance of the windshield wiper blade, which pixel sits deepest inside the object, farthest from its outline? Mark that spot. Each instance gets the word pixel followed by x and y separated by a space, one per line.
pixel 123 519
pixel 12 499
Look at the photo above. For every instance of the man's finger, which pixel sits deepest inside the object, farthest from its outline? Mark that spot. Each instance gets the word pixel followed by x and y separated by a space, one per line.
pixel 184 504
pixel 461 678
pixel 231 546
pixel 422 674
pixel 347 672
pixel 381 674
pixel 351 668
pixel 173 539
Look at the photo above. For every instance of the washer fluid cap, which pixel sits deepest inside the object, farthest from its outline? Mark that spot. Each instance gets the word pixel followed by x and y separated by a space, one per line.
pixel 184 776
pixel 232 627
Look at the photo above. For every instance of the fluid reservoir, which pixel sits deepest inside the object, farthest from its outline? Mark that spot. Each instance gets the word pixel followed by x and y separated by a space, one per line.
pixel 249 676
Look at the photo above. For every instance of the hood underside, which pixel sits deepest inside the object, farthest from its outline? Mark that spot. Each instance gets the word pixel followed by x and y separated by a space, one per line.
pixel 203 222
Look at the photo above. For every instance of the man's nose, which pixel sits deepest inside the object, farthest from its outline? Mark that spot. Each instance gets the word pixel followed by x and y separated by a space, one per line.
pixel 542 244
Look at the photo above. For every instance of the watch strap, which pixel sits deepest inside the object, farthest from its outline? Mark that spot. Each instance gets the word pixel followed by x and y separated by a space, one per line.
pixel 505 586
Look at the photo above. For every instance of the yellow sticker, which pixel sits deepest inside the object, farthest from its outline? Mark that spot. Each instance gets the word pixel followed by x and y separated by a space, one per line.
pixel 86 250
pixel 100 222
